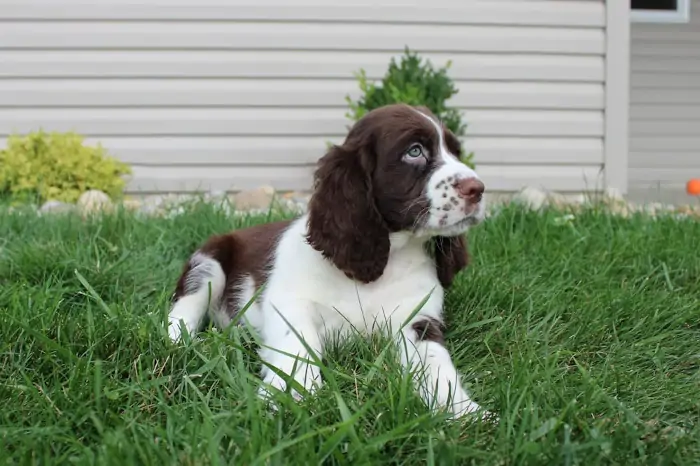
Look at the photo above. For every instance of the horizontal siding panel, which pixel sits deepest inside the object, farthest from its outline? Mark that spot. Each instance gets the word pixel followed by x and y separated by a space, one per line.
pixel 290 64
pixel 649 49
pixel 661 112
pixel 669 33
pixel 665 145
pixel 532 13
pixel 213 121
pixel 278 93
pixel 197 178
pixel 305 150
pixel 689 160
pixel 665 96
pixel 295 36
pixel 668 193
pixel 556 151
pixel 660 80
pixel 663 127
pixel 180 150
pixel 233 178
pixel 662 175
pixel 664 64
pixel 556 178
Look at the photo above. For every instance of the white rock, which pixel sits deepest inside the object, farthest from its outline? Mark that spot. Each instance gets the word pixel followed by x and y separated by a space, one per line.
pixel 614 194
pixel 532 197
pixel 579 199
pixel 54 206
pixel 557 200
pixel 132 204
pixel 94 200
pixel 216 195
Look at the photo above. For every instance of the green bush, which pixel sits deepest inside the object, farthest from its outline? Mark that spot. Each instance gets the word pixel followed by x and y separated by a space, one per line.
pixel 412 82
pixel 41 166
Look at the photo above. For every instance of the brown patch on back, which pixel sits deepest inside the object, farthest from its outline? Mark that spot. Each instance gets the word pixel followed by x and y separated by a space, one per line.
pixel 247 251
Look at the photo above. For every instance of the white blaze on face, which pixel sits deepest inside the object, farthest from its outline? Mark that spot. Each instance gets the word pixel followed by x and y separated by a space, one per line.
pixel 448 213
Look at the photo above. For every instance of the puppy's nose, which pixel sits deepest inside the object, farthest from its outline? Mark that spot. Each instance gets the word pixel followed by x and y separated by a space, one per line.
pixel 471 189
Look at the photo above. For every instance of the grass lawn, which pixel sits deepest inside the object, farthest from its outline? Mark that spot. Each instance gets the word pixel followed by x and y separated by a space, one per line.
pixel 584 337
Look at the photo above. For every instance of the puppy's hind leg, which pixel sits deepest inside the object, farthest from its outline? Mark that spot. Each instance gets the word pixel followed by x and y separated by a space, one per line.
pixel 199 289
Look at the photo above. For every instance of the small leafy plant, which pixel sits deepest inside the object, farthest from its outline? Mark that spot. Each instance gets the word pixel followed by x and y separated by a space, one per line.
pixel 40 166
pixel 415 82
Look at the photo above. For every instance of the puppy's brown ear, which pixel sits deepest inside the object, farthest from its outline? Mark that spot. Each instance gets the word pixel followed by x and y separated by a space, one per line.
pixel 451 256
pixel 344 224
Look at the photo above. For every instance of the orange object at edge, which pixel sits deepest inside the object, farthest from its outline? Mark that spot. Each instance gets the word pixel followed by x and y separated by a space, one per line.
pixel 693 187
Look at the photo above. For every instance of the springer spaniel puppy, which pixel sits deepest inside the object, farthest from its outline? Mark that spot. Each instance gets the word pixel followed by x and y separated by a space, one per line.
pixel 383 232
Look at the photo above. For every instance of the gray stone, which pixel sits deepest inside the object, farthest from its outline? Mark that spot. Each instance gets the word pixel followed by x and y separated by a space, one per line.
pixel 54 206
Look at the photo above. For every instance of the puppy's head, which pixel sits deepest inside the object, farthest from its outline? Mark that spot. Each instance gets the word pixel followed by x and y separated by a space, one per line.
pixel 397 171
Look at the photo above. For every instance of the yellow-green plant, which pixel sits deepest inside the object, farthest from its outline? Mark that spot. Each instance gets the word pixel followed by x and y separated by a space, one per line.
pixel 59 166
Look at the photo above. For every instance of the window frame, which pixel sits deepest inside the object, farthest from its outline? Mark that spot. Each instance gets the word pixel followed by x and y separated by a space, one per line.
pixel 680 15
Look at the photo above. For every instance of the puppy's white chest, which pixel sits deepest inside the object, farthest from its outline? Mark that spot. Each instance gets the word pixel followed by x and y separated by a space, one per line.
pixel 303 281
pixel 408 280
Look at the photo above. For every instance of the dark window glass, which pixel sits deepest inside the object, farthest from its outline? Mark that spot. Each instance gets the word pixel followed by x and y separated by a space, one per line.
pixel 661 5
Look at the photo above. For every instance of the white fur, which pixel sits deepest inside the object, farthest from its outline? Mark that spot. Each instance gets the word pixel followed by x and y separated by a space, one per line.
pixel 319 301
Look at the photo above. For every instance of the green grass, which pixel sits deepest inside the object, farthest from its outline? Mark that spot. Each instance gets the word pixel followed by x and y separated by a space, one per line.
pixel 584 337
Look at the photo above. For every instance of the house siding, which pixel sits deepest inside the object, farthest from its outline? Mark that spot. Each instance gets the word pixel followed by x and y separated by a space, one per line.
pixel 665 108
pixel 224 96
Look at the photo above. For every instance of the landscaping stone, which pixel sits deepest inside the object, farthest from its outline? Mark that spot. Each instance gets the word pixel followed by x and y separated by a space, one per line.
pixel 613 195
pixel 159 205
pixel 532 197
pixel 296 201
pixel 93 201
pixel 260 198
pixel 259 201
pixel 557 200
pixel 53 206
pixel 620 208
pixel 132 204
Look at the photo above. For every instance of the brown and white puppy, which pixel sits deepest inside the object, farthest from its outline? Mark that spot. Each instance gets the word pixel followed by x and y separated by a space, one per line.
pixel 383 232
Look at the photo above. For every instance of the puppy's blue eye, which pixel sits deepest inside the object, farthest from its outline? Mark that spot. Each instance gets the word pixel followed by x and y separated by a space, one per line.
pixel 415 151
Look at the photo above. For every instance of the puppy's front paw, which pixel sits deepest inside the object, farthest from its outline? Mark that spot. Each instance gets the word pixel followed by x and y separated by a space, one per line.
pixel 473 411
pixel 462 406
pixel 307 376
pixel 269 386
pixel 174 332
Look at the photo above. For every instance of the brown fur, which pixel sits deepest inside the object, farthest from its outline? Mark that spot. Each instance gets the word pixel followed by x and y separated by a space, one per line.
pixel 344 224
pixel 451 256
pixel 430 330
pixel 362 193
pixel 243 252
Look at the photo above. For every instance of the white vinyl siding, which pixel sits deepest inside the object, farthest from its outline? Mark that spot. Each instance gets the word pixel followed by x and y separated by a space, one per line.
pixel 230 95
pixel 665 108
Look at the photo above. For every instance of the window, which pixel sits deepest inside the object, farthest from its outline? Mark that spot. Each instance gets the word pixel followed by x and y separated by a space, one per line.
pixel 660 11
